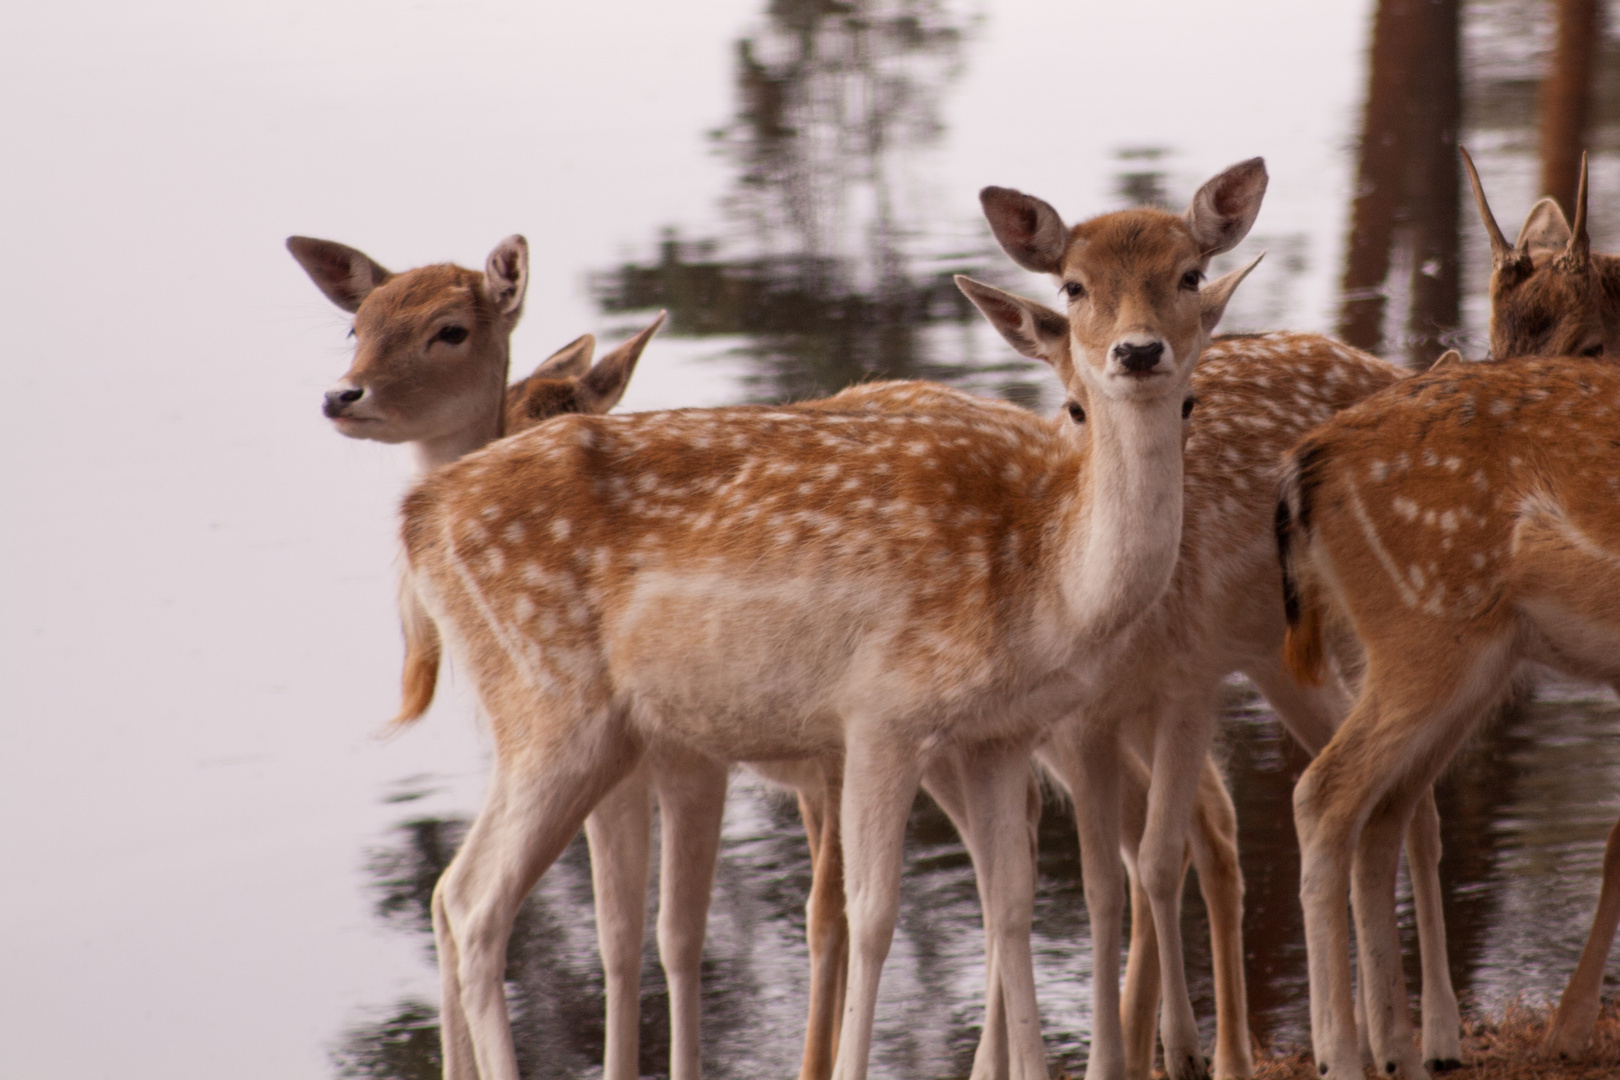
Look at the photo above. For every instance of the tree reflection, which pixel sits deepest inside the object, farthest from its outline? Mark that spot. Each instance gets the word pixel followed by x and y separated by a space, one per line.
pixel 836 266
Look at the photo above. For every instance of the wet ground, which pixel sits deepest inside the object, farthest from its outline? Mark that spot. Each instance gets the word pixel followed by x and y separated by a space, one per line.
pixel 1525 812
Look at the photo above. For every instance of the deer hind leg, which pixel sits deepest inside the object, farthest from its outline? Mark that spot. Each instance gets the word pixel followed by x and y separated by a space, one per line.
pixel 1571 1027
pixel 619 833
pixel 1171 798
pixel 1383 982
pixel 1442 1020
pixel 536 805
pixel 1220 881
pixel 880 781
pixel 1352 808
pixel 691 802
pixel 1310 714
pixel 826 921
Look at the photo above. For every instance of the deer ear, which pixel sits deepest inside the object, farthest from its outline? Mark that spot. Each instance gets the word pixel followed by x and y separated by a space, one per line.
pixel 1212 298
pixel 1446 359
pixel 506 275
pixel 601 388
pixel 1027 228
pixel 1033 330
pixel 568 362
pixel 345 275
pixel 1224 209
pixel 1546 231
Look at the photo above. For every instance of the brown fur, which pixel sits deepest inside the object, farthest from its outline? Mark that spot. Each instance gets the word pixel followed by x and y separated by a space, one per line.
pixel 553 389
pixel 760 583
pixel 1550 295
pixel 1461 521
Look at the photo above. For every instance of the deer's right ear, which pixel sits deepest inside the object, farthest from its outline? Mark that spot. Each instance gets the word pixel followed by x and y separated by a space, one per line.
pixel 1546 231
pixel 568 362
pixel 601 388
pixel 506 275
pixel 345 275
pixel 1033 330
pixel 1027 228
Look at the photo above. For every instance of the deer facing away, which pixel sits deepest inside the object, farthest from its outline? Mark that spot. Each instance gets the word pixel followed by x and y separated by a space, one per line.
pixel 1457 525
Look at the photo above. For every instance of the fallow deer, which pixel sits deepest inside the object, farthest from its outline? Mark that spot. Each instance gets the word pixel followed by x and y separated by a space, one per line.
pixel 1459 524
pixel 1474 503
pixel 430 368
pixel 768 584
pixel 1550 296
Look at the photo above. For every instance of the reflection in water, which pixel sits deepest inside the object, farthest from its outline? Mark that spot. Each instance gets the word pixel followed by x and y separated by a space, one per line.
pixel 1525 813
pixel 837 266
pixel 1404 216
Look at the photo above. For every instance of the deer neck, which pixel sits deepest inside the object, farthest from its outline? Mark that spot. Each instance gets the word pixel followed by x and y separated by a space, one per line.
pixel 482 426
pixel 1128 516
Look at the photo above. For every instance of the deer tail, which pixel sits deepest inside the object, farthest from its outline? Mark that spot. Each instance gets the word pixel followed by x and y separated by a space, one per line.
pixel 1303 650
pixel 422 650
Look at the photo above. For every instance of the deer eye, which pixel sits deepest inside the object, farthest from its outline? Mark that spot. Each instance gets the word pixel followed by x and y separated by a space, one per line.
pixel 1187 407
pixel 452 335
pixel 1074 289
pixel 1190 280
pixel 1076 413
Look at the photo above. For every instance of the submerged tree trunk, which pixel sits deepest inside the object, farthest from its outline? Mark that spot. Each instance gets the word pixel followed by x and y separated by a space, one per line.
pixel 1566 99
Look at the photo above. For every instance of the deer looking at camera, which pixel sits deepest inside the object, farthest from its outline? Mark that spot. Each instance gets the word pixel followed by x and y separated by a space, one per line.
pixel 775 584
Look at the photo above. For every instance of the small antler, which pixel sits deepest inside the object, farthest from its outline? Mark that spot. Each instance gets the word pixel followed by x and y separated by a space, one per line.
pixel 1501 251
pixel 1580 245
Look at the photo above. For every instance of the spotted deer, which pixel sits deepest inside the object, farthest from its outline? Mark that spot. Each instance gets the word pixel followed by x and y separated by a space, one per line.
pixel 1550 295
pixel 766 584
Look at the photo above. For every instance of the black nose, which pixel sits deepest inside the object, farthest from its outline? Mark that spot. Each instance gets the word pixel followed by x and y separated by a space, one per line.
pixel 1139 357
pixel 338 400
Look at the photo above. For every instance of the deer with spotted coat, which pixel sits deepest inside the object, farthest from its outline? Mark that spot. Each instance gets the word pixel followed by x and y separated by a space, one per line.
pixel 1456 525
pixel 749 583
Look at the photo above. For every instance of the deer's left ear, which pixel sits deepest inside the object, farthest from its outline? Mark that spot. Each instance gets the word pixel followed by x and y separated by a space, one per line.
pixel 1224 209
pixel 506 275
pixel 601 388
pixel 1212 298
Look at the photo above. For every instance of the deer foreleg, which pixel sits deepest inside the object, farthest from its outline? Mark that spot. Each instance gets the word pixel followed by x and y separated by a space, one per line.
pixel 619 831
pixel 880 781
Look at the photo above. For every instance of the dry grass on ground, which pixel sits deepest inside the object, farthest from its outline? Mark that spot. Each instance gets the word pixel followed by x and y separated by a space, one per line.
pixel 1505 1049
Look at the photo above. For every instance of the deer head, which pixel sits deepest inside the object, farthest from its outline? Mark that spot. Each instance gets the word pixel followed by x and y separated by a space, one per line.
pixel 431 344
pixel 1550 296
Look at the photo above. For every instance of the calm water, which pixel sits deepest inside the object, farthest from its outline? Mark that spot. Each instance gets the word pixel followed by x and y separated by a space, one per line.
pixel 215 865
